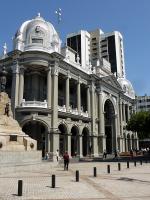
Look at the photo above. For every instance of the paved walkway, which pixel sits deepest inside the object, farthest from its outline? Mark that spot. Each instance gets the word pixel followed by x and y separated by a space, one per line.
pixel 127 184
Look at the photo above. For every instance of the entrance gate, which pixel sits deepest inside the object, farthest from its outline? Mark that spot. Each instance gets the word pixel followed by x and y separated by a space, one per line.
pixel 110 129
pixel 37 131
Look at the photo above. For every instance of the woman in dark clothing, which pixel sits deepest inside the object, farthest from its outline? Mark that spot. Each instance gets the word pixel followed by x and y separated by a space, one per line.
pixel 66 160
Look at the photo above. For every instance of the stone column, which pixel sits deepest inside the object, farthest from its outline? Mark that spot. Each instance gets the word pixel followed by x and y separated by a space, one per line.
pixel 128 112
pixel 95 146
pixel 49 142
pixel 81 146
pixel 93 107
pixel 118 120
pixel 102 137
pixel 115 146
pixel 122 149
pixel 69 144
pixel 120 113
pixel 120 140
pixel 124 114
pixel 136 141
pixel 15 86
pixel 49 86
pixel 125 143
pixel 67 93
pixel 88 102
pixel 54 125
pixel 94 137
pixel 21 85
pixel 79 96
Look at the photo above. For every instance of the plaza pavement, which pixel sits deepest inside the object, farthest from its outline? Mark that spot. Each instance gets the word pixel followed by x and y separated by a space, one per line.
pixel 127 184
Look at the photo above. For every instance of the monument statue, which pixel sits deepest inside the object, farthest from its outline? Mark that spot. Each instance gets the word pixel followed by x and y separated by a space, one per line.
pixel 12 138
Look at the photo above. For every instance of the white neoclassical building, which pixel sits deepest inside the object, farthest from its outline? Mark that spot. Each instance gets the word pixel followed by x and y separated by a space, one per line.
pixel 64 97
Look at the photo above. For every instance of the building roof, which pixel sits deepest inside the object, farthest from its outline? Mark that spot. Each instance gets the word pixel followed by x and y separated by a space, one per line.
pixel 127 87
pixel 37 34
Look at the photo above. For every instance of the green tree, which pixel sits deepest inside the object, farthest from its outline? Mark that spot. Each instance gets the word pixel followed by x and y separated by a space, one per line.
pixel 140 123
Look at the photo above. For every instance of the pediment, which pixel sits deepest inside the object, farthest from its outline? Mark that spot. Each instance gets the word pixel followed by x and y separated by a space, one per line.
pixel 112 81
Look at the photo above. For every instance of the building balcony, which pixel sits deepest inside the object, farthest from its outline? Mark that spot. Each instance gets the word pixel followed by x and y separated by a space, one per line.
pixel 31 104
pixel 62 108
pixel 39 104
pixel 73 111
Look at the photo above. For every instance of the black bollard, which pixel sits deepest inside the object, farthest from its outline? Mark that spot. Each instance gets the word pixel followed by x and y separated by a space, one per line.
pixel 77 176
pixel 119 166
pixel 135 163
pixel 141 162
pixel 53 181
pixel 95 171
pixel 127 164
pixel 20 185
pixel 108 169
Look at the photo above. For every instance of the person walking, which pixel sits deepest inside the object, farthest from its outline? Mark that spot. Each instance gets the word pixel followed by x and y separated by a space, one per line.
pixel 105 154
pixel 116 154
pixel 66 160
pixel 57 155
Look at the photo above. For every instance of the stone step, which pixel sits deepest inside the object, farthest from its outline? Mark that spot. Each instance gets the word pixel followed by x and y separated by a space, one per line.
pixel 13 157
pixel 14 146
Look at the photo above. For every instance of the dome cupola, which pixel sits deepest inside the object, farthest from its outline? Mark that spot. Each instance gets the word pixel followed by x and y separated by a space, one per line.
pixel 37 35
pixel 127 87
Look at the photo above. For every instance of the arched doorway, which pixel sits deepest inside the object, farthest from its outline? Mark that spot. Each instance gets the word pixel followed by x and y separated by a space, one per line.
pixel 110 129
pixel 86 146
pixel 37 131
pixel 74 141
pixel 63 139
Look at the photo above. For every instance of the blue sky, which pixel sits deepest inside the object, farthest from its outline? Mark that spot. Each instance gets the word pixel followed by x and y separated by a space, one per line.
pixel 130 17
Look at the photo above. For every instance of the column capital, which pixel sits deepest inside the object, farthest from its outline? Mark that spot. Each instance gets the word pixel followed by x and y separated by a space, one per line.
pixel 79 81
pixel 49 68
pixel 55 71
pixel 92 87
pixel 15 68
pixel 68 74
pixel 87 86
pixel 53 63
pixel 22 69
pixel 100 92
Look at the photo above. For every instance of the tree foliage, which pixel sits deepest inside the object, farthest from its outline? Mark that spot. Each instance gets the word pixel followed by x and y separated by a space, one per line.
pixel 140 123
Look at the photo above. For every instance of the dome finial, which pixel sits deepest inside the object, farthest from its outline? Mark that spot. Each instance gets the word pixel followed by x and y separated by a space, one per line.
pixel 5 49
pixel 39 15
pixel 58 13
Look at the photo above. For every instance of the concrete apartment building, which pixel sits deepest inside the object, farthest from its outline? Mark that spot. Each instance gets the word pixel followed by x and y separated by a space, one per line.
pixel 142 103
pixel 74 98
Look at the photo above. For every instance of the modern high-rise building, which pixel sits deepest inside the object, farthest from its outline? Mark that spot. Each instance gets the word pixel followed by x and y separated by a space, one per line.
pixel 80 42
pixel 110 47
pixel 113 51
pixel 63 99
pixel 96 45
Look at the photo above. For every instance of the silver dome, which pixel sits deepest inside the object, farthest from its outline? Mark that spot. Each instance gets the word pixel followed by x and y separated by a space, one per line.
pixel 37 34
pixel 127 87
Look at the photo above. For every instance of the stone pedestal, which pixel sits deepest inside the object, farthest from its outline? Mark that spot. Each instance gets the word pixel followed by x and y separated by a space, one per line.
pixel 12 139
